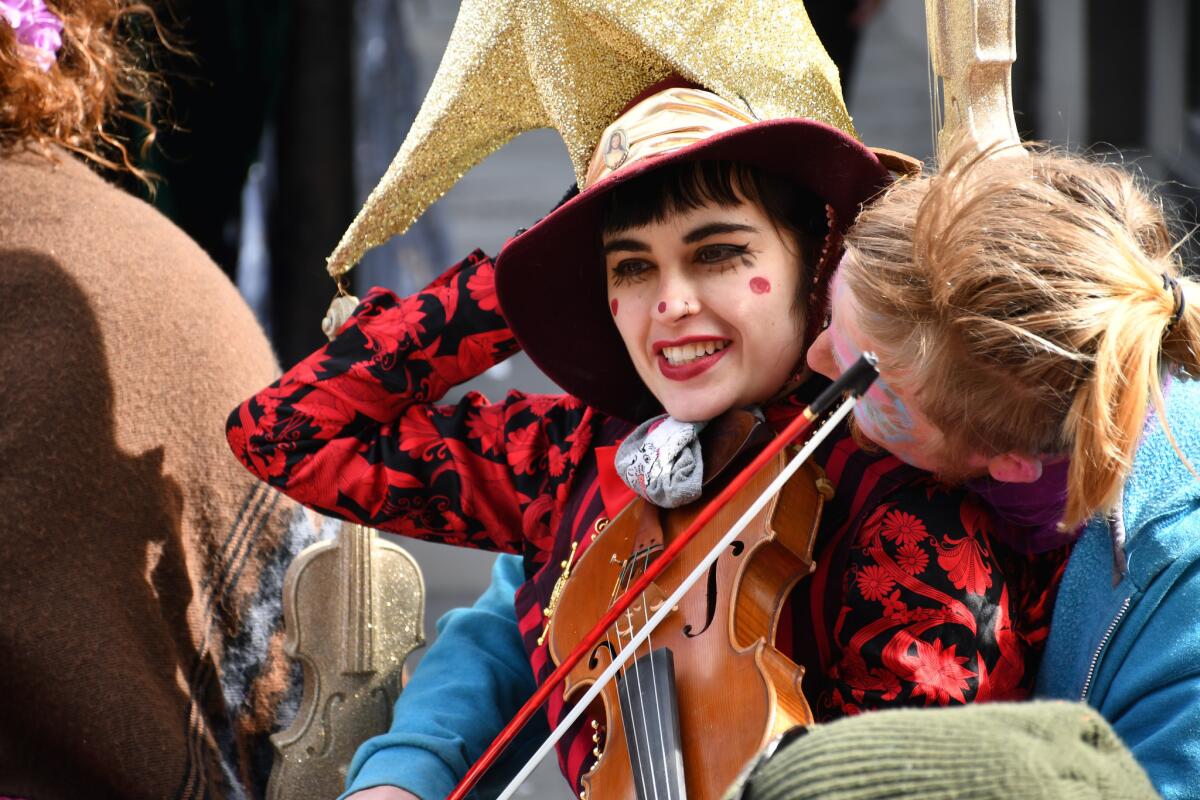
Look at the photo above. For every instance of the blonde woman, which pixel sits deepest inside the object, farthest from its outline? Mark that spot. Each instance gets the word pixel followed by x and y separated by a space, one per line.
pixel 1029 315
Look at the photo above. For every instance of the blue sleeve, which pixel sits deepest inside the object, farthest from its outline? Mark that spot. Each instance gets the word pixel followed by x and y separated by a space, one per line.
pixel 1153 702
pixel 470 683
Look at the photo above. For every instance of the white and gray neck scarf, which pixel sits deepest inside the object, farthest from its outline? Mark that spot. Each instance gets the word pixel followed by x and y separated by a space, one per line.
pixel 661 461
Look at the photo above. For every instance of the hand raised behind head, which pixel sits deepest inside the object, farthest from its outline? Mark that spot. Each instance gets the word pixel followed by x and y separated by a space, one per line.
pixel 383 793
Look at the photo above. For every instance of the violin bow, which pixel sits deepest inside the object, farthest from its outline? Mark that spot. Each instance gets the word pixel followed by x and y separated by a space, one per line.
pixel 850 385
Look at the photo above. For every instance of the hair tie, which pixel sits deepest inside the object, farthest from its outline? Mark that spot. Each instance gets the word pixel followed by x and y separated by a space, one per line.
pixel 1172 285
pixel 38 29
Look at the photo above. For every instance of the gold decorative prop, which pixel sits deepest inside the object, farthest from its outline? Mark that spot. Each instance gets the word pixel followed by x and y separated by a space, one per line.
pixel 353 610
pixel 573 65
pixel 340 309
pixel 972 44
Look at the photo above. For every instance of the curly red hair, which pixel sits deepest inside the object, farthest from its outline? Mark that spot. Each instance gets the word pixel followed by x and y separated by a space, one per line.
pixel 100 80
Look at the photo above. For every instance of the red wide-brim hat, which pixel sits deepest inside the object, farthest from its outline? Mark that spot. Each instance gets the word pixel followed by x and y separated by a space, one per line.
pixel 551 280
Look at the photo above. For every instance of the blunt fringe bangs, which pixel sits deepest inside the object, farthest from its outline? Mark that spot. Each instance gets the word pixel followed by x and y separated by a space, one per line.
pixel 686 186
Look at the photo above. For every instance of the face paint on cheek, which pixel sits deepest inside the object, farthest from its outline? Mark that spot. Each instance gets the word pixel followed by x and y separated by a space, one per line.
pixel 884 416
pixel 760 285
pixel 880 413
pixel 613 305
pixel 662 307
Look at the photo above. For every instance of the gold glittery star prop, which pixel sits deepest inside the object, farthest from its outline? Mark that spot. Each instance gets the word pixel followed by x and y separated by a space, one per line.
pixel 573 65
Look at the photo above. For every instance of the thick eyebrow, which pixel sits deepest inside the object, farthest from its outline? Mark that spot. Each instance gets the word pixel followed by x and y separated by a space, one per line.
pixel 714 228
pixel 633 245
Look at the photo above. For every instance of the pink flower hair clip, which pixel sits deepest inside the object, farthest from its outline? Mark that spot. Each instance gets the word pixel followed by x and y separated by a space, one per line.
pixel 39 30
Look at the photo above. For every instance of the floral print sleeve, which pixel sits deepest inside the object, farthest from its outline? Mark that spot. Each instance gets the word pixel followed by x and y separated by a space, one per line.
pixel 354 430
pixel 930 612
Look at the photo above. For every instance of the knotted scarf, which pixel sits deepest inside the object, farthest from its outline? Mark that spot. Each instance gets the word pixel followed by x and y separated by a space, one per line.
pixel 661 461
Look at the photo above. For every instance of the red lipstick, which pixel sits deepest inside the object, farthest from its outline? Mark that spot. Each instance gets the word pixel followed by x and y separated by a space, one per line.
pixel 683 372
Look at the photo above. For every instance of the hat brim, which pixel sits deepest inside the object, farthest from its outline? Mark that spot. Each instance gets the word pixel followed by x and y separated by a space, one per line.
pixel 550 279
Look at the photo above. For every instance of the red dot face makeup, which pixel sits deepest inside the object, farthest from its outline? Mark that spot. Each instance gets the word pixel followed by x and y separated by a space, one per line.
pixel 760 285
pixel 613 306
pixel 662 307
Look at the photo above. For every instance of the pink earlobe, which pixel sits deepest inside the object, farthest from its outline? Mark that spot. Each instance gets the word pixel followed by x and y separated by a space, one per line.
pixel 1015 468
pixel 760 285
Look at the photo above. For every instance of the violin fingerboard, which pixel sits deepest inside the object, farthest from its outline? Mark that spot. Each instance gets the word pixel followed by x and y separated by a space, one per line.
pixel 650 711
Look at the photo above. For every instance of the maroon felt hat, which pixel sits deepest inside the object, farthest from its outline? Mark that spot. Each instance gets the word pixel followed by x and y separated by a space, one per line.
pixel 551 280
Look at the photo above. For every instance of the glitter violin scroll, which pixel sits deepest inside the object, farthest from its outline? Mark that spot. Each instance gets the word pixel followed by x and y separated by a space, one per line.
pixel 650 696
pixel 972 47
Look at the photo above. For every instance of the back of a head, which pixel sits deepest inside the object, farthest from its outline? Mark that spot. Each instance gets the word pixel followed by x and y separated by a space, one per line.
pixel 1035 304
pixel 68 70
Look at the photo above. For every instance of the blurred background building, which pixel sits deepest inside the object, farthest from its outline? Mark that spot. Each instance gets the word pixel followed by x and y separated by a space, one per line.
pixel 291 110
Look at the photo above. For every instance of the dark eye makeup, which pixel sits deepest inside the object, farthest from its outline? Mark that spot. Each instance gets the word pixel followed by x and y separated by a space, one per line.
pixel 629 270
pixel 725 256
pixel 716 257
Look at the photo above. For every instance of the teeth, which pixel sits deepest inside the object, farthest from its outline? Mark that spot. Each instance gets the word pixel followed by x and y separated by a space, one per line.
pixel 690 352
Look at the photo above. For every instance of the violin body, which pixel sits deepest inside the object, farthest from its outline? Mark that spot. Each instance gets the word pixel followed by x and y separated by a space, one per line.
pixel 353 610
pixel 734 690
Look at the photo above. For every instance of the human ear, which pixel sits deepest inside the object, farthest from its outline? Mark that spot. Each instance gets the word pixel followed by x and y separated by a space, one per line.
pixel 1015 468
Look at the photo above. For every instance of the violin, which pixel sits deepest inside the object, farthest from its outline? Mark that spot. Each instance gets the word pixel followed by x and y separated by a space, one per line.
pixel 709 689
pixel 838 399
pixel 353 610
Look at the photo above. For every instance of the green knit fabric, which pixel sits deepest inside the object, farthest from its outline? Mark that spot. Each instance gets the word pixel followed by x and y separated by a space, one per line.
pixel 994 751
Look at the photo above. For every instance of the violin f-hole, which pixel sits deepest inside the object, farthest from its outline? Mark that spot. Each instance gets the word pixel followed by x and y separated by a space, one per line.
pixel 710 608
pixel 594 659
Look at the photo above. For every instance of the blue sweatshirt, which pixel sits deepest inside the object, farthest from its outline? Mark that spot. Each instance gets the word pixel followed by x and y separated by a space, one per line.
pixel 1130 647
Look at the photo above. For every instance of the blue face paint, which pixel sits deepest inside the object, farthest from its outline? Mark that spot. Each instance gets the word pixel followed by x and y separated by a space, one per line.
pixel 881 413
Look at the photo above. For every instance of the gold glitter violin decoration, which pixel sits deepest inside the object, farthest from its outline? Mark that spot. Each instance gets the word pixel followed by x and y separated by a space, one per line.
pixel 353 610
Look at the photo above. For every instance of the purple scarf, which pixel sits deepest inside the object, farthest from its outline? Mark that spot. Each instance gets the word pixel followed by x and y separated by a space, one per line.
pixel 1033 510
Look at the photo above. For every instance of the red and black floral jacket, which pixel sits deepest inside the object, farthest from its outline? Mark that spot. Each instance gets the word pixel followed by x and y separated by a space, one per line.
pixel 913 603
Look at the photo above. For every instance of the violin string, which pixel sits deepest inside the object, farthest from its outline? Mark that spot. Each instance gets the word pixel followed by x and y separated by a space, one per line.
pixel 639 705
pixel 627 570
pixel 662 741
pixel 631 737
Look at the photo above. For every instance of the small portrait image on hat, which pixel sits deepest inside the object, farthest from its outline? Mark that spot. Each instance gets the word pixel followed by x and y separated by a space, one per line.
pixel 617 150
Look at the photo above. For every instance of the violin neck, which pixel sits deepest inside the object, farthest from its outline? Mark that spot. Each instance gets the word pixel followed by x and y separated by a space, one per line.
pixel 650 713
pixel 355 574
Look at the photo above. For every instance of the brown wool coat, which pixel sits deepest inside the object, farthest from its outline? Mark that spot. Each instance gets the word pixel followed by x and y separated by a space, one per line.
pixel 140 564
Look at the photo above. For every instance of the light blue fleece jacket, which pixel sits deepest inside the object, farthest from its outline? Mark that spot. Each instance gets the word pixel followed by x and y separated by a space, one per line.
pixel 440 727
pixel 1131 649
